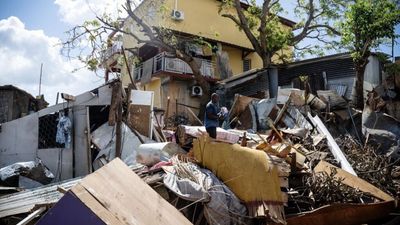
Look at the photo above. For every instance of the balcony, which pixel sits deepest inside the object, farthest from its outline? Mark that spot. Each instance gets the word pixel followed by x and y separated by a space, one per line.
pixel 163 63
pixel 110 55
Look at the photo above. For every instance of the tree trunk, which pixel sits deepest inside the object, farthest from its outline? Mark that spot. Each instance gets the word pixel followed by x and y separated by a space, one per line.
pixel 359 95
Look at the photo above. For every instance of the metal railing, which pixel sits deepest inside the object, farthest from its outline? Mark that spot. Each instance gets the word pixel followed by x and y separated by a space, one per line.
pixel 162 62
pixel 114 49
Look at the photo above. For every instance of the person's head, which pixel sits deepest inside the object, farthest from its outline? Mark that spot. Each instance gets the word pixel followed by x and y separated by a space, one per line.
pixel 214 97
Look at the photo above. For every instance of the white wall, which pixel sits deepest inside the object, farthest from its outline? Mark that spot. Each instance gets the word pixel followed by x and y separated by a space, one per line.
pixel 19 138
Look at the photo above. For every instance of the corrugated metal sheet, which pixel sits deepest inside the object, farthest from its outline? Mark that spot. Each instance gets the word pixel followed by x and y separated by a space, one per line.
pixel 339 88
pixel 335 67
pixel 250 87
pixel 24 201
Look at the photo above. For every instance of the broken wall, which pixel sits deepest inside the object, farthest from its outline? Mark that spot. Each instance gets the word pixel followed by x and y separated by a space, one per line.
pixel 19 139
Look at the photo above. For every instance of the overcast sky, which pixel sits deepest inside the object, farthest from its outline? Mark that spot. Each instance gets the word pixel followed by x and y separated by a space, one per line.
pixel 30 33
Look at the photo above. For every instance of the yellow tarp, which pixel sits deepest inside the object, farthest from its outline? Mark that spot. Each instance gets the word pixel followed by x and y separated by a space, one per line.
pixel 249 173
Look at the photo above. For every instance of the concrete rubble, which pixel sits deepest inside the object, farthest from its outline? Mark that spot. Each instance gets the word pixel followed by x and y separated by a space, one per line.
pixel 295 159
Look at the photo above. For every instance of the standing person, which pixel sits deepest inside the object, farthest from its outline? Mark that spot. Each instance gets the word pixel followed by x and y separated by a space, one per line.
pixel 212 116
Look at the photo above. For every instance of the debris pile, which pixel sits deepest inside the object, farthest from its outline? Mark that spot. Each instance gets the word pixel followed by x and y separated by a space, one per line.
pixel 278 161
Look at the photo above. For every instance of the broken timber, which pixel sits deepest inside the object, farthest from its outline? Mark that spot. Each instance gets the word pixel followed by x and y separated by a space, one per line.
pixel 131 201
pixel 337 153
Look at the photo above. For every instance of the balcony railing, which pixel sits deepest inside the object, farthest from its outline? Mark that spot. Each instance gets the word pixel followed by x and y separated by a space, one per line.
pixel 162 62
pixel 110 51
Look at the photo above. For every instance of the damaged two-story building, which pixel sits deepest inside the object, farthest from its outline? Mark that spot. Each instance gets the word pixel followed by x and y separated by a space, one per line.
pixel 171 79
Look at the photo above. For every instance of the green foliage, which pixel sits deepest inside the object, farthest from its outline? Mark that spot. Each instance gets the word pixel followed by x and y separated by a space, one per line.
pixel 317 20
pixel 393 69
pixel 92 64
pixel 367 24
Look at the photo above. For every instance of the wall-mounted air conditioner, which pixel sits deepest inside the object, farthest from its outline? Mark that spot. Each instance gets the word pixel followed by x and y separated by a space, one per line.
pixel 177 15
pixel 196 91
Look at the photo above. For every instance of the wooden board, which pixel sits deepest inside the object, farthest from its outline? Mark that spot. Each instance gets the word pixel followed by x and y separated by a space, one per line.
pixel 121 192
pixel 353 181
pixel 139 118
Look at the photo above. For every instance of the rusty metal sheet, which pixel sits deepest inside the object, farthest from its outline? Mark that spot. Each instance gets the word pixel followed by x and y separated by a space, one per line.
pixel 343 214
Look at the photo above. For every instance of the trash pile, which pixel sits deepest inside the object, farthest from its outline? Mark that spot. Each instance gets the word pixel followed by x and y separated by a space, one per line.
pixel 295 159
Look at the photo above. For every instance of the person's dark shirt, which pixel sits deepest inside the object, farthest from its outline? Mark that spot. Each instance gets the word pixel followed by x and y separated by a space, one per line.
pixel 213 109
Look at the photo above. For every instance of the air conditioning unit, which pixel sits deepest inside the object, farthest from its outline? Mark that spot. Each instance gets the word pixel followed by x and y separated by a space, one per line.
pixel 197 91
pixel 177 15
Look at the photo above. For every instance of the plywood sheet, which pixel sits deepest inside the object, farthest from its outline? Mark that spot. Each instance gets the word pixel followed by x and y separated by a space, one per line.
pixel 140 118
pixel 121 192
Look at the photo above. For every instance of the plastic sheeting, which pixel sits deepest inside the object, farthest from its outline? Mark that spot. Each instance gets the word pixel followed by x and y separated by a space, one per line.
pixel 221 205
pixel 34 170
pixel 104 138
pixel 150 154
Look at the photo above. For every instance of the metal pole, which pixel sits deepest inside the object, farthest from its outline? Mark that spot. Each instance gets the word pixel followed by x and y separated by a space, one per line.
pixel 393 59
pixel 40 79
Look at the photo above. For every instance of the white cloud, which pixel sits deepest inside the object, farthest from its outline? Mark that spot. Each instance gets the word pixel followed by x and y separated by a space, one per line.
pixel 21 53
pixel 75 12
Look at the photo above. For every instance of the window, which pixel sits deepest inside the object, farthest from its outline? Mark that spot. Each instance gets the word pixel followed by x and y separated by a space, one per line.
pixel 246 65
pixel 48 131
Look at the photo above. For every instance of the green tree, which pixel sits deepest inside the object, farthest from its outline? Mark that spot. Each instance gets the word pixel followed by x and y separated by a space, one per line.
pixel 367 24
pixel 263 28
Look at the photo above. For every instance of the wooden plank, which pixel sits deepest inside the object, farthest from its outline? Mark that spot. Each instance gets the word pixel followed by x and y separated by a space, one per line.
pixel 106 216
pixel 353 181
pixel 115 98
pixel 130 199
pixel 139 118
pixel 343 214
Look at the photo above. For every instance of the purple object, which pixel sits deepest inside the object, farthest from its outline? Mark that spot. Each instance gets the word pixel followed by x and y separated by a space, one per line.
pixel 70 211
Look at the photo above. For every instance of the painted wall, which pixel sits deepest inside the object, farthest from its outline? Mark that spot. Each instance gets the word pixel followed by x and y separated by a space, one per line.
pixel 235 59
pixel 178 90
pixel 14 149
pixel 155 86
pixel 201 18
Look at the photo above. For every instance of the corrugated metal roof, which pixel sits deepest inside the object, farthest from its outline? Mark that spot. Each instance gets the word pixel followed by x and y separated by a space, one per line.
pixel 336 66
pixel 25 201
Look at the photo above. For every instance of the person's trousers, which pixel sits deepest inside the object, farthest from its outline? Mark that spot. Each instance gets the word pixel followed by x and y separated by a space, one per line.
pixel 212 131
